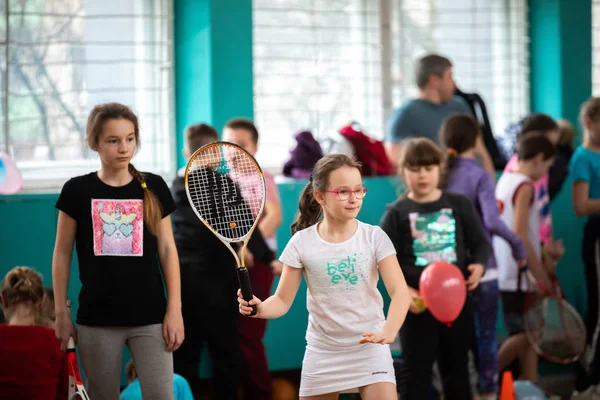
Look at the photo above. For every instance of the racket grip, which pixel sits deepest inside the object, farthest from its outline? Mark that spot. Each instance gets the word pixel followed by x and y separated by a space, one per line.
pixel 246 287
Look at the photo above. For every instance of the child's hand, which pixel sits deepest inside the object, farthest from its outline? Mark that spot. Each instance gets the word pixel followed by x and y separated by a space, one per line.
pixel 276 267
pixel 64 329
pixel 555 249
pixel 248 259
pixel 417 306
pixel 522 262
pixel 476 273
pixel 549 264
pixel 245 306
pixel 173 331
pixel 378 337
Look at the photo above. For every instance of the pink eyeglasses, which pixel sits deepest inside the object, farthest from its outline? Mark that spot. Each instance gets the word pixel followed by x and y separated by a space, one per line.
pixel 344 194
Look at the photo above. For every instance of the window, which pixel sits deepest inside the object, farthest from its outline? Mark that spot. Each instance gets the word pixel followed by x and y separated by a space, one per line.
pixel 319 64
pixel 59 58
pixel 486 41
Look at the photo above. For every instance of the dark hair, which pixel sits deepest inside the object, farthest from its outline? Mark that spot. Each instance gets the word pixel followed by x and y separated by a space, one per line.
pixel 199 135
pixel 429 65
pixel 419 152
pixel 96 120
pixel 245 124
pixel 538 122
pixel 459 133
pixel 531 145
pixel 21 285
pixel 310 209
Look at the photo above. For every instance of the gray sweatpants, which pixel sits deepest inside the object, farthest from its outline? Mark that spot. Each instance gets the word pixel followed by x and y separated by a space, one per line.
pixel 101 350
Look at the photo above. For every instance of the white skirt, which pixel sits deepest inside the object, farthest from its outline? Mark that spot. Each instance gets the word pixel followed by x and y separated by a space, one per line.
pixel 344 371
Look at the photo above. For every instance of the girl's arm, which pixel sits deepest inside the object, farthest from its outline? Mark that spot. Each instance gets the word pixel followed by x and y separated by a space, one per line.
pixel 490 217
pixel 476 242
pixel 169 261
pixel 259 248
pixel 523 201
pixel 395 284
pixel 582 203
pixel 278 304
pixel 61 269
pixel 484 156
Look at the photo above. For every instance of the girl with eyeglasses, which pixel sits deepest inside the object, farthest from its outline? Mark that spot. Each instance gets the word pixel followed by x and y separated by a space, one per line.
pixel 341 258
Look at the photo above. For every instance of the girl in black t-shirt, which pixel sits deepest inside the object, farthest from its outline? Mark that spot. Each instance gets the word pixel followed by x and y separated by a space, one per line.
pixel 428 225
pixel 118 220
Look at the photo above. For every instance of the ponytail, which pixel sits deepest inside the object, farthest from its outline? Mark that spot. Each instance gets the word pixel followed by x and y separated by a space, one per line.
pixel 22 285
pixel 152 206
pixel 458 134
pixel 309 210
pixel 451 157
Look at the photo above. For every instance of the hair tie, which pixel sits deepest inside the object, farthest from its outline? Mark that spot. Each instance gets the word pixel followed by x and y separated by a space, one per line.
pixel 451 151
pixel 310 178
pixel 144 186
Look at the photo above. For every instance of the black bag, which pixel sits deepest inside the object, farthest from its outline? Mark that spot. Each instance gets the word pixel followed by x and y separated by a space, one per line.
pixel 479 110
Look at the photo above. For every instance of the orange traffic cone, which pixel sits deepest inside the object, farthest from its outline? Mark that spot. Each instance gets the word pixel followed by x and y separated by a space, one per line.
pixel 507 391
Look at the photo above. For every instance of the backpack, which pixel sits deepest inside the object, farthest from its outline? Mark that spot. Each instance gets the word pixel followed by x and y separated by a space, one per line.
pixel 369 151
pixel 475 103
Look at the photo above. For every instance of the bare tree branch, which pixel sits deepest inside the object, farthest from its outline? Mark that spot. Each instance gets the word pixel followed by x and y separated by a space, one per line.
pixel 39 102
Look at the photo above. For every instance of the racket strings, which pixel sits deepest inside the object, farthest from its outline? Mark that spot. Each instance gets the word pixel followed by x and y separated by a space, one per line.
pixel 555 330
pixel 226 188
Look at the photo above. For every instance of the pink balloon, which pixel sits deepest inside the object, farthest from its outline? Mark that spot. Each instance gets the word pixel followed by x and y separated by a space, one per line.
pixel 444 290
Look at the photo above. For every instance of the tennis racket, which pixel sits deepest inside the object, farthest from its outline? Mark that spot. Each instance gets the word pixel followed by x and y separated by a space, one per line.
pixel 226 189
pixel 76 388
pixel 554 328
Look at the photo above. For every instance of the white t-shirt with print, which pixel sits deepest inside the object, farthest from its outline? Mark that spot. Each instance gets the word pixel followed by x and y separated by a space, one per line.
pixel 342 298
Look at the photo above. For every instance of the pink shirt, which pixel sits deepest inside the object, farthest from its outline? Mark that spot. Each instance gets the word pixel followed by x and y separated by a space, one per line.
pixel 542 197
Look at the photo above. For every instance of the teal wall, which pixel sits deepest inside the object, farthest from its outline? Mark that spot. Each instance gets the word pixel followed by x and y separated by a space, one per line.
pixel 213 82
pixel 560 56
pixel 213 63
pixel 31 243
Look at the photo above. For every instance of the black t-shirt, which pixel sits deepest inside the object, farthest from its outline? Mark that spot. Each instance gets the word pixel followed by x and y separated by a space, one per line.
pixel 447 229
pixel 119 269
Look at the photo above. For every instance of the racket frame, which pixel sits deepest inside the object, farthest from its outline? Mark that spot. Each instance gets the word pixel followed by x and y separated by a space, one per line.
pixel 76 388
pixel 242 270
pixel 542 295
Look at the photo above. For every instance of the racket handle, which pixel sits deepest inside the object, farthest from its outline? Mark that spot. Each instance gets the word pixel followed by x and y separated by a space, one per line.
pixel 71 345
pixel 245 286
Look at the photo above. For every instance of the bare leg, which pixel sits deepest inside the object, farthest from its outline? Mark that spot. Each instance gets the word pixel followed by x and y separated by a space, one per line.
pixel 512 348
pixel 379 391
pixel 328 396
pixel 529 364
